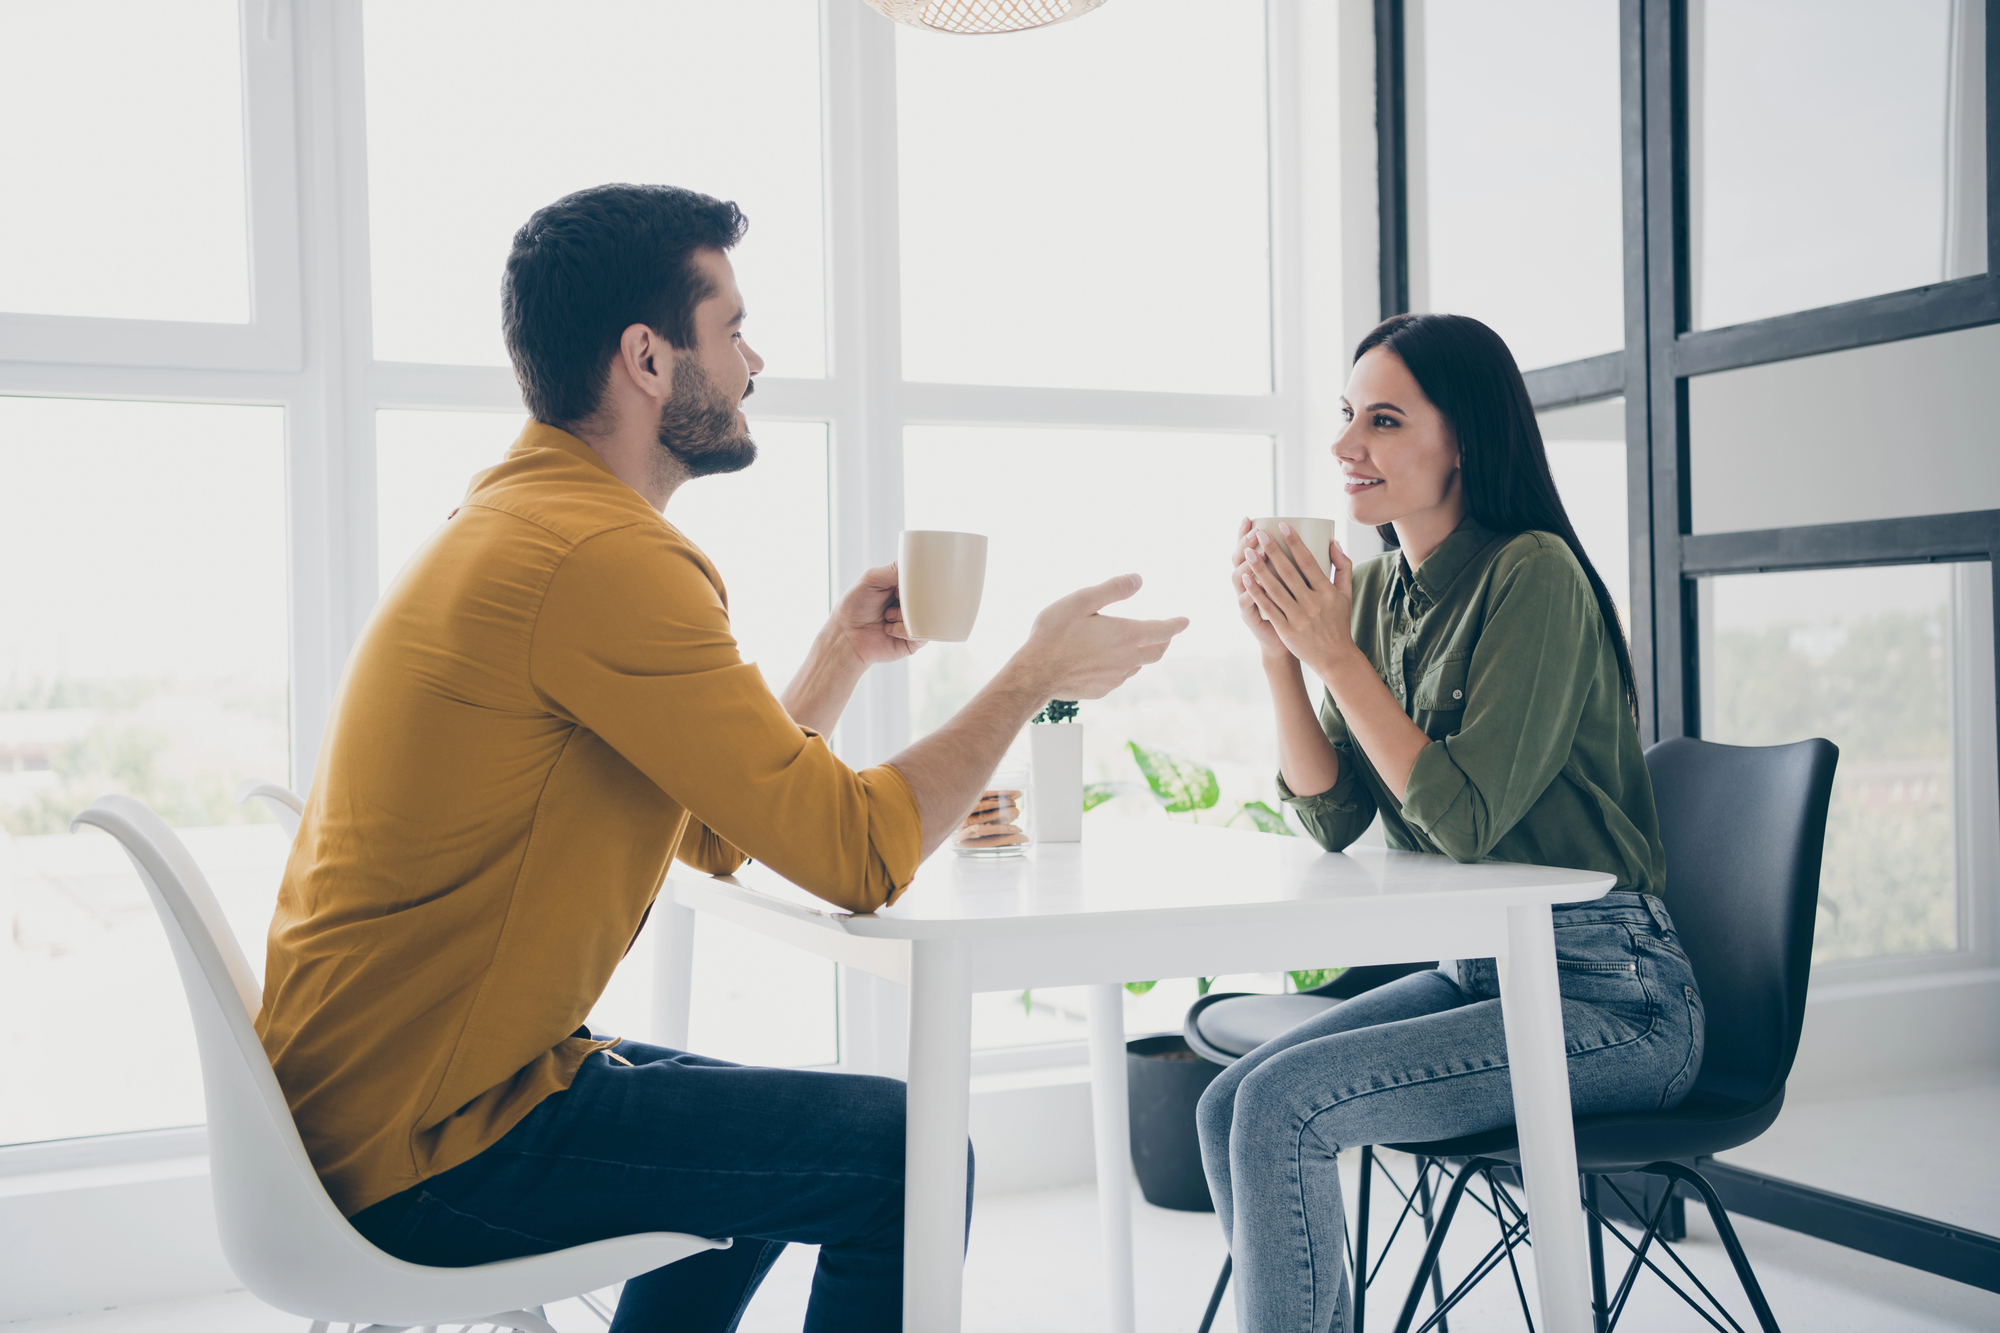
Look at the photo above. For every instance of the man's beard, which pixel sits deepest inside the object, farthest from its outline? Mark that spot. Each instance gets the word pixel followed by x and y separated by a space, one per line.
pixel 698 427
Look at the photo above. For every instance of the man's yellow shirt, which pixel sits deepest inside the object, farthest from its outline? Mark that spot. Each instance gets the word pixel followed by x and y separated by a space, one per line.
pixel 546 709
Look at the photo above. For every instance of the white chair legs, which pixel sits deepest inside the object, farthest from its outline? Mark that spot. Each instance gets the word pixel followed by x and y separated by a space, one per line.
pixel 521 1321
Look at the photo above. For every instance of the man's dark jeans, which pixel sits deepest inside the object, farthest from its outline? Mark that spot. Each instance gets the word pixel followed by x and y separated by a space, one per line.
pixel 679 1142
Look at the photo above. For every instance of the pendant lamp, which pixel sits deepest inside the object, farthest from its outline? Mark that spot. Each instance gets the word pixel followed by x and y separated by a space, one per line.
pixel 983 16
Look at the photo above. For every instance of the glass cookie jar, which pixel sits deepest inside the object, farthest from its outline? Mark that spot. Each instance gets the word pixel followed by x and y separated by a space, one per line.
pixel 998 822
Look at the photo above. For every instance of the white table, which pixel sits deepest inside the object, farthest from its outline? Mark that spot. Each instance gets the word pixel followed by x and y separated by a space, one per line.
pixel 1139 899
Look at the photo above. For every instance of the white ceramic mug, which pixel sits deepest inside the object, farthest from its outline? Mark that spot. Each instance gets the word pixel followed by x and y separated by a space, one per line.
pixel 941 577
pixel 1317 533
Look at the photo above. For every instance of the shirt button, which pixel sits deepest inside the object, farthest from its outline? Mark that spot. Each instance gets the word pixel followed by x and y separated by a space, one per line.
pixel 1458 694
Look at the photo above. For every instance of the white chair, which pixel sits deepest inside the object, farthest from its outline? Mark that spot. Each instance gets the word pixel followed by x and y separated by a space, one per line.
pixel 281 1233
pixel 281 801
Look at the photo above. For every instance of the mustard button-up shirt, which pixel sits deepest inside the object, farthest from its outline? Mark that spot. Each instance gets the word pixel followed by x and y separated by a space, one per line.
pixel 547 708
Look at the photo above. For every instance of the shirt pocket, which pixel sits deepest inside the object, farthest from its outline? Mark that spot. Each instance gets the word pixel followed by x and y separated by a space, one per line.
pixel 1441 691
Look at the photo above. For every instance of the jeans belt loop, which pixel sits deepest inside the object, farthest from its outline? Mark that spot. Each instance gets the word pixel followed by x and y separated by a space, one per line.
pixel 1658 911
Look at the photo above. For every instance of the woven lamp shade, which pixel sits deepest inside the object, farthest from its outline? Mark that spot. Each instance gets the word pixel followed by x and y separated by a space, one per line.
pixel 983 16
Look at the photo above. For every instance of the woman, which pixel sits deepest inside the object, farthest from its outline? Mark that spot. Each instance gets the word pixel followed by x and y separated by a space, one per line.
pixel 1479 697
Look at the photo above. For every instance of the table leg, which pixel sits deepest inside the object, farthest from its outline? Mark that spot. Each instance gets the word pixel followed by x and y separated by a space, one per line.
pixel 673 969
pixel 940 1099
pixel 1114 1149
pixel 1531 1007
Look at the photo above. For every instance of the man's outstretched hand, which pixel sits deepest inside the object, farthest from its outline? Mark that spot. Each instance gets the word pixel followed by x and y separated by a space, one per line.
pixel 1080 653
pixel 869 619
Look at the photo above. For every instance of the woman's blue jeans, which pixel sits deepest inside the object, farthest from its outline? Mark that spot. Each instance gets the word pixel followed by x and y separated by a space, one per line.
pixel 1424 1058
pixel 679 1142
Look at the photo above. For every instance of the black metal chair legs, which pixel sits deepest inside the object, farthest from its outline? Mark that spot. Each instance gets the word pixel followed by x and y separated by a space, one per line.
pixel 1606 1308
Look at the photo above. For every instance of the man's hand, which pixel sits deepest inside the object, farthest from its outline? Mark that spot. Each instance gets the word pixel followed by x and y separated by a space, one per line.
pixel 869 619
pixel 1073 652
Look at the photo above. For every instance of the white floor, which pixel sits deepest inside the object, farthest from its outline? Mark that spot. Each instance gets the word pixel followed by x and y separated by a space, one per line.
pixel 1946 1158
pixel 1033 1266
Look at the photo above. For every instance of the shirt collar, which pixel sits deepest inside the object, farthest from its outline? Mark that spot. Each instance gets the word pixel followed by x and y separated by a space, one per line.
pixel 540 435
pixel 1436 575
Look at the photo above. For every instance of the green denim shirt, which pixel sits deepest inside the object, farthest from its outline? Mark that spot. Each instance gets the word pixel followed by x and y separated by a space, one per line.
pixel 1496 648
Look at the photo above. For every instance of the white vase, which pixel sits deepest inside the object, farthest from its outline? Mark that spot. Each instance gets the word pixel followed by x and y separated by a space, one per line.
pixel 1055 752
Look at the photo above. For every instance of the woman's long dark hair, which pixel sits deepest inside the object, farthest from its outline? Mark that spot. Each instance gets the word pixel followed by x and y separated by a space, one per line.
pixel 1469 375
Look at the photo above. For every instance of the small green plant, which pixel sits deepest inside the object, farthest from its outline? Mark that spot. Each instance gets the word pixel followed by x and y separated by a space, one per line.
pixel 1058 710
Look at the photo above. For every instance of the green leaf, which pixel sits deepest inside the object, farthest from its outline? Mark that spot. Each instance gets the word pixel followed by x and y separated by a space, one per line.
pixel 1179 784
pixel 1314 978
pixel 1097 793
pixel 1140 987
pixel 1263 818
pixel 1028 1003
pixel 1202 984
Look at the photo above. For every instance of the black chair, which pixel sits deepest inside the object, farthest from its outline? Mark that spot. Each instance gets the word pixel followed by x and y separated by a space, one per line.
pixel 1743 829
pixel 1226 1026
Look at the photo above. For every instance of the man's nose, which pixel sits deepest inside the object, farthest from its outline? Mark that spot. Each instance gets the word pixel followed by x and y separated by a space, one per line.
pixel 756 362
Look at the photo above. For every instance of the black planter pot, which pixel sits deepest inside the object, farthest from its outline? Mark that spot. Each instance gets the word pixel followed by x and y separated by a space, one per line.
pixel 1164 1080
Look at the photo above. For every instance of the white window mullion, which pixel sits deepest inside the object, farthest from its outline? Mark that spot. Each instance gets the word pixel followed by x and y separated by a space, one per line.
pixel 1288 288
pixel 331 425
pixel 864 295
pixel 865 357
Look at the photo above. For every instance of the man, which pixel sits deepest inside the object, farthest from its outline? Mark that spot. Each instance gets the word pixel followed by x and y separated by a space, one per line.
pixel 547 708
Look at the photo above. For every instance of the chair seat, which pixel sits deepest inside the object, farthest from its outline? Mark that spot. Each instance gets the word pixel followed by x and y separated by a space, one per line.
pixel 1239 1024
pixel 1704 1124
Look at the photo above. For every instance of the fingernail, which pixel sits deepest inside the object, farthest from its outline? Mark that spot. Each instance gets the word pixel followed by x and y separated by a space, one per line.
pixel 1285 528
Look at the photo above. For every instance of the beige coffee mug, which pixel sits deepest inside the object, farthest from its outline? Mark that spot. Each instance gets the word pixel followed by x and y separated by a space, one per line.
pixel 941 576
pixel 1317 533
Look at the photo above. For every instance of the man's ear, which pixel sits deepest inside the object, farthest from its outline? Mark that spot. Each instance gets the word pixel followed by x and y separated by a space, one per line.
pixel 648 361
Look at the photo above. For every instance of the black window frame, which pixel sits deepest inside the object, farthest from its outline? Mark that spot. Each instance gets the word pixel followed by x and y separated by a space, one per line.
pixel 1662 353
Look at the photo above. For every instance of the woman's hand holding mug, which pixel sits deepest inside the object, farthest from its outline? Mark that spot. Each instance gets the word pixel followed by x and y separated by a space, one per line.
pixel 1310 615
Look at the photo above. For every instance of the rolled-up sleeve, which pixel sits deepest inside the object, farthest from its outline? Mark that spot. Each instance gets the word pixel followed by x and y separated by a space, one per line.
pixel 1340 814
pixel 1526 684
pixel 633 643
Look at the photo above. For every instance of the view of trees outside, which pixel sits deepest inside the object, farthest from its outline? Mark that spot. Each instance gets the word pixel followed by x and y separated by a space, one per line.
pixel 149 657
pixel 1863 658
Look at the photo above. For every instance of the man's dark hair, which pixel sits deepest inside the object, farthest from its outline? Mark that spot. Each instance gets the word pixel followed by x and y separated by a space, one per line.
pixel 591 265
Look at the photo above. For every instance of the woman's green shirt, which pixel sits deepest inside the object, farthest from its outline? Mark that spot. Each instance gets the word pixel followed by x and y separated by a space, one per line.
pixel 1496 648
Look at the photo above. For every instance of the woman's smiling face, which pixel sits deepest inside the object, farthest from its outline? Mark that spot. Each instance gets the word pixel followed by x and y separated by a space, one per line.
pixel 1398 457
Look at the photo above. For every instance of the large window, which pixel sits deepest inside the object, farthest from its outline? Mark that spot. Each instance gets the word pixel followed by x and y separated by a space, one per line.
pixel 1088 205
pixel 1067 261
pixel 145 655
pixel 1513 180
pixel 1850 129
pixel 128 197
pixel 467 136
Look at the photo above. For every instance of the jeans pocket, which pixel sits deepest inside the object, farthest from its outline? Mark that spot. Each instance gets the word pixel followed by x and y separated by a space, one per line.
pixel 1683 1082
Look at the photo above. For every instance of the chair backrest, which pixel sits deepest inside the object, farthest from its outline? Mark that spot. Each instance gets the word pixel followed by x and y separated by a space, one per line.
pixel 1743 829
pixel 283 803
pixel 277 1223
